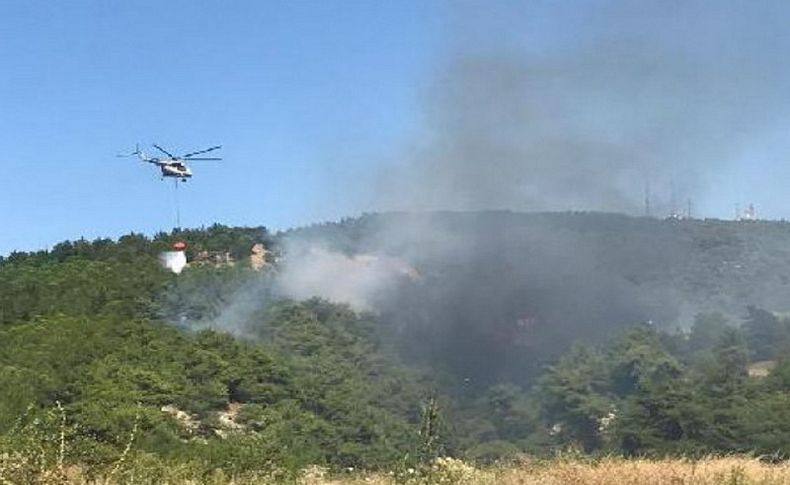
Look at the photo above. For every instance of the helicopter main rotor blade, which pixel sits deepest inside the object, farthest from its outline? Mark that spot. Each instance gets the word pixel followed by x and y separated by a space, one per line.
pixel 164 151
pixel 190 159
pixel 201 151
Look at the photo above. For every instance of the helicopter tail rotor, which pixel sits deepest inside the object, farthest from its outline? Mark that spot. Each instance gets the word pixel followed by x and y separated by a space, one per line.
pixel 136 152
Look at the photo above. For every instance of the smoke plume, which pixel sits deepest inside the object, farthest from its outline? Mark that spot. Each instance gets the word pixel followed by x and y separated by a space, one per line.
pixel 582 109
pixel 570 109
pixel 360 280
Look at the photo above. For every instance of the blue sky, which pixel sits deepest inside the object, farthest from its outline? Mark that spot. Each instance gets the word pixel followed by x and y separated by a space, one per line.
pixel 285 87
pixel 308 98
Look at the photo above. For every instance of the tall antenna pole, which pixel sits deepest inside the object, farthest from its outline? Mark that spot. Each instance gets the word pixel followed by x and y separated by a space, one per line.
pixel 647 198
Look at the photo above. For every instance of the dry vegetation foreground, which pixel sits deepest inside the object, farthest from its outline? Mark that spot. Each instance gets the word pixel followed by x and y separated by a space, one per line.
pixel 712 470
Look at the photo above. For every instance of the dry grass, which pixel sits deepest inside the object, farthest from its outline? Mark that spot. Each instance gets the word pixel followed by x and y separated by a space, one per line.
pixel 721 470
pixel 608 471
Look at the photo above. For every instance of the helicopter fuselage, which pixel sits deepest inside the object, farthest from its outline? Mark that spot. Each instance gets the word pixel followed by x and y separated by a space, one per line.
pixel 175 169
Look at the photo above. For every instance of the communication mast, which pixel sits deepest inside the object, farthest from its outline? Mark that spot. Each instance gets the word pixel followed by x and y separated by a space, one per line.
pixel 749 214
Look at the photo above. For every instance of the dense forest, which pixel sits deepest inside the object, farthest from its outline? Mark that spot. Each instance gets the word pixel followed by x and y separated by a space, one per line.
pixel 512 333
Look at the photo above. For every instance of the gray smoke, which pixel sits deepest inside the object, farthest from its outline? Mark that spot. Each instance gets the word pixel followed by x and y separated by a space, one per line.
pixel 555 109
pixel 570 109
pixel 665 92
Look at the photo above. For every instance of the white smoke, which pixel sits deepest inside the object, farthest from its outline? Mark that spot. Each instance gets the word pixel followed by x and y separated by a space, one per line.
pixel 358 280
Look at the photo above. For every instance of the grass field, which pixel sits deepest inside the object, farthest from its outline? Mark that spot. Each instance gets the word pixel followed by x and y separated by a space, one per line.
pixel 560 471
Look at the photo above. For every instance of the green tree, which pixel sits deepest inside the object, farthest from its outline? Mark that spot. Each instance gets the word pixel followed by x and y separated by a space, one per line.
pixel 652 413
pixel 765 334
pixel 574 395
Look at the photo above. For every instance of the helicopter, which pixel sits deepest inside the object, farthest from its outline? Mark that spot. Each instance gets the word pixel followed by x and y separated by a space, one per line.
pixel 173 166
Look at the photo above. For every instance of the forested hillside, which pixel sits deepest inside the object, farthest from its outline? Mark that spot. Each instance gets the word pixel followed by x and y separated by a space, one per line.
pixel 501 294
pixel 84 325
pixel 503 333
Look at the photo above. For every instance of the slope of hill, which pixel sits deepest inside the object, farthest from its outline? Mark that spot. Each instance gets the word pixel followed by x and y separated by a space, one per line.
pixel 459 342
pixel 701 264
pixel 505 286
